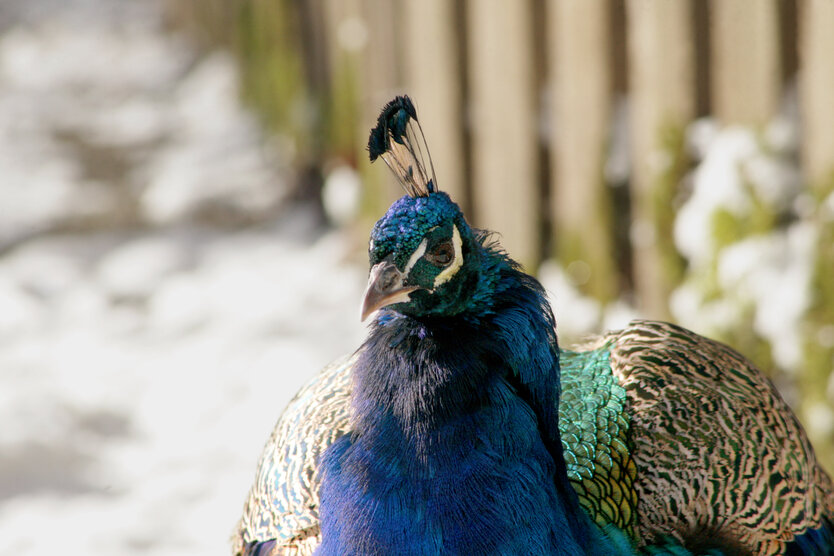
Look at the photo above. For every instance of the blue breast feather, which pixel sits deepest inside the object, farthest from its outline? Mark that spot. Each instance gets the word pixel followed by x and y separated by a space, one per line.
pixel 284 501
pixel 455 446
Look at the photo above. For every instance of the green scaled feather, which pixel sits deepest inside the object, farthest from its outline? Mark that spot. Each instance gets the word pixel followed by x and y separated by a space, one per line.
pixel 594 427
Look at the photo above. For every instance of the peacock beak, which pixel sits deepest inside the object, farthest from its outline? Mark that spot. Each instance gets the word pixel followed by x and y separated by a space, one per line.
pixel 385 287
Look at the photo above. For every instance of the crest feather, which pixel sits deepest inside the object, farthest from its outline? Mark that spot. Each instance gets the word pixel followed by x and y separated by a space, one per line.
pixel 398 139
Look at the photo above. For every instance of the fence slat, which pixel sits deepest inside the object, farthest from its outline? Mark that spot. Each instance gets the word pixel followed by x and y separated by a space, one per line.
pixel 580 94
pixel 503 124
pixel 432 78
pixel 662 101
pixel 380 79
pixel 817 111
pixel 746 60
pixel 817 89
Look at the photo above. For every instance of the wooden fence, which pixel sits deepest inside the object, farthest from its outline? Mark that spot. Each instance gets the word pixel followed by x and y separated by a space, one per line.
pixel 517 100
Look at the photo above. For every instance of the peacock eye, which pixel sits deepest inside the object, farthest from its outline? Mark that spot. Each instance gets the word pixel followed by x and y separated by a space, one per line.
pixel 442 254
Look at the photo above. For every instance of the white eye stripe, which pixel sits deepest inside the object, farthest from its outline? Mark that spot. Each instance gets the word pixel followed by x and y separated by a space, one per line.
pixel 450 270
pixel 418 253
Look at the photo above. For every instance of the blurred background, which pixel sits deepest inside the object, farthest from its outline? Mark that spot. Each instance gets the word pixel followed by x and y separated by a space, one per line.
pixel 185 201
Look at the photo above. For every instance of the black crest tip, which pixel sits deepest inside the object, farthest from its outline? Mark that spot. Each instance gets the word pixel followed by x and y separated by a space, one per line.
pixel 394 119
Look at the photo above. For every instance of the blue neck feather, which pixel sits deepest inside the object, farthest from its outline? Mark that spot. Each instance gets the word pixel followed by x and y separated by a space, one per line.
pixel 456 446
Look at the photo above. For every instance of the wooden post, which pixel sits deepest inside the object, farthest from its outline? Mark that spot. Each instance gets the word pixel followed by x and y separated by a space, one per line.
pixel 662 104
pixel 503 124
pixel 345 38
pixel 580 92
pixel 433 79
pixel 382 73
pixel 816 88
pixel 380 80
pixel 745 57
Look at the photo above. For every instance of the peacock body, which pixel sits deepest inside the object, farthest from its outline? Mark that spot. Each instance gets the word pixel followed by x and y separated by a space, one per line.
pixel 461 427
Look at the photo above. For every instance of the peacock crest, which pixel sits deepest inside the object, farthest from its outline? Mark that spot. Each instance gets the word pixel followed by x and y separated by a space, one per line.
pixel 398 139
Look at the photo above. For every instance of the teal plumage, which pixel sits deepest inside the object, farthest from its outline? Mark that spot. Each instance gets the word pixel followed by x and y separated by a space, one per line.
pixel 670 442
pixel 595 427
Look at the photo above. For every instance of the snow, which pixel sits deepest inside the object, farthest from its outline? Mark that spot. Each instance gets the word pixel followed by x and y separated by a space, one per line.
pixel 341 195
pixel 106 117
pixel 718 184
pixel 209 160
pixel 618 160
pixel 762 279
pixel 772 273
pixel 578 316
pixel 146 347
pixel 136 267
pixel 565 299
pixel 142 393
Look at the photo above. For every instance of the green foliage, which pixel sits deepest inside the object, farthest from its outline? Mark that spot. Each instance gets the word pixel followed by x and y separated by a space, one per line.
pixel 746 341
pixel 599 275
pixel 664 192
pixel 729 227
pixel 819 346
pixel 271 68
pixel 759 217
pixel 342 113
pixel 590 247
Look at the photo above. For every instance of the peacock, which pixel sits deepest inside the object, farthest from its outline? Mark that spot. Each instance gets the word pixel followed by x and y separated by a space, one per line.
pixel 461 427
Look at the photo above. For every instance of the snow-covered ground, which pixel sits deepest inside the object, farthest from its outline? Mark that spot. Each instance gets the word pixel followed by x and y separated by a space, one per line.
pixel 145 350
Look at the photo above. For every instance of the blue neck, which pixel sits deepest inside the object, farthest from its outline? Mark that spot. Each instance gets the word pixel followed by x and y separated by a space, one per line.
pixel 456 445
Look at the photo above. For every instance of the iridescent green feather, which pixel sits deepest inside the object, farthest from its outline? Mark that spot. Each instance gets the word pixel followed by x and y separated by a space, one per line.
pixel 594 428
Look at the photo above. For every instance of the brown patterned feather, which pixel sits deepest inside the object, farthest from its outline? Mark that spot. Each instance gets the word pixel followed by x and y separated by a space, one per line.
pixel 719 453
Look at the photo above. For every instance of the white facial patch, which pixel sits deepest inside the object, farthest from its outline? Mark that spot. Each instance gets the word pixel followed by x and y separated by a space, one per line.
pixel 450 270
pixel 418 253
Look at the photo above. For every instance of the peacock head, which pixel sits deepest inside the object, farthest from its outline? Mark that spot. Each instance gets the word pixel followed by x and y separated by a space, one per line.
pixel 423 254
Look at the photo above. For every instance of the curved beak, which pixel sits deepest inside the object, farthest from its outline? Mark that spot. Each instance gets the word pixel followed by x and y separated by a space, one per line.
pixel 385 287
